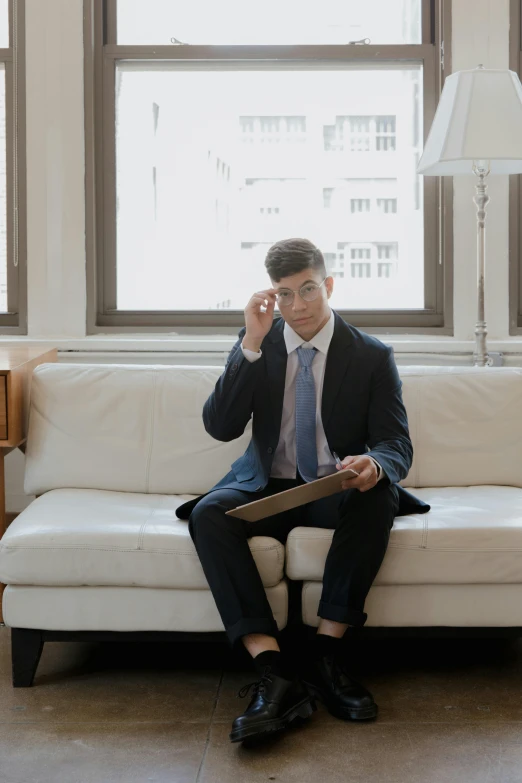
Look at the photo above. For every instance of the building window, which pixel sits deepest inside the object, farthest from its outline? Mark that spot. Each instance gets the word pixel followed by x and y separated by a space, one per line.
pixel 385 134
pixel 361 134
pixel 365 260
pixel 270 130
pixel 327 197
pixel 387 205
pixel 361 270
pixel 247 124
pixel 273 130
pixel 370 260
pixel 332 140
pixel 387 250
pixel 360 252
pixel 269 211
pixel 334 264
pixel 359 205
pixel 295 129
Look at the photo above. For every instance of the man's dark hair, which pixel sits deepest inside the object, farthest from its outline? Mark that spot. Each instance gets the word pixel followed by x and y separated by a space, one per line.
pixel 290 256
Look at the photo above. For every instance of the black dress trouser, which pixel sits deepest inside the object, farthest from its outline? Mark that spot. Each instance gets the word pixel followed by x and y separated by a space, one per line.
pixel 362 522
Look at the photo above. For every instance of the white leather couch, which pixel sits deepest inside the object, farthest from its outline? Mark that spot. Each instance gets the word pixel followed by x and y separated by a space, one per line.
pixel 113 449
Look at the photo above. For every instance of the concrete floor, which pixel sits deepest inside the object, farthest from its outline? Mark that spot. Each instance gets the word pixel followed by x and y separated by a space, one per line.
pixel 450 710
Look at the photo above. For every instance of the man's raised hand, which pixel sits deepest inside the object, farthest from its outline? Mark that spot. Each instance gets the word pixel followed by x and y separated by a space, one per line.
pixel 259 314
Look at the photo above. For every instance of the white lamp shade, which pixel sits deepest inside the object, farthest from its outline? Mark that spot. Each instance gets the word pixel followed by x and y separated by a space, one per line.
pixel 479 117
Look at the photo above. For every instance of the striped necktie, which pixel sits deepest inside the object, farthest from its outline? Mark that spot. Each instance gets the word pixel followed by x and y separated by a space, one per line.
pixel 305 414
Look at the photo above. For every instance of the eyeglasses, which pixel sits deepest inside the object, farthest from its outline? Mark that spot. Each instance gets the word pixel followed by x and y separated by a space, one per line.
pixel 308 292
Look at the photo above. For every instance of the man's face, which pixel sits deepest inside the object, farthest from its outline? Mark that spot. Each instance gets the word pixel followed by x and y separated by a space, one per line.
pixel 306 318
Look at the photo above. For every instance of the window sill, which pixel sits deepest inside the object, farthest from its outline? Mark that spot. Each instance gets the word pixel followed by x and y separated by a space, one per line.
pixel 222 343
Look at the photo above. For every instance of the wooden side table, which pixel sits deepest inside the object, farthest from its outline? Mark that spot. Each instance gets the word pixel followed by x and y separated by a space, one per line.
pixel 16 368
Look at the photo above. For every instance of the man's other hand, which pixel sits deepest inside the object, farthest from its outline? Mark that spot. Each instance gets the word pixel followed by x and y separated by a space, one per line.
pixel 365 467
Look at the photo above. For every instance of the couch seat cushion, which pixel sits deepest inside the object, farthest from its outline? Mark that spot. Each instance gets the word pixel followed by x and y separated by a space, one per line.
pixel 472 535
pixel 98 537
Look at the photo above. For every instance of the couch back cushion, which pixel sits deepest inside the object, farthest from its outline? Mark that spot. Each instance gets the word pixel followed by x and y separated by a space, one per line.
pixel 465 425
pixel 138 428
pixel 132 428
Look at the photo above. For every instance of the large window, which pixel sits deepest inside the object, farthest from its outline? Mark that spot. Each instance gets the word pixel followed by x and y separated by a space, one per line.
pixel 215 132
pixel 515 191
pixel 13 318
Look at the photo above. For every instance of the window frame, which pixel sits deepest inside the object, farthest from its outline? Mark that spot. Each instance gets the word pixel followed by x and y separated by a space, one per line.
pixel 101 56
pixel 14 321
pixel 515 188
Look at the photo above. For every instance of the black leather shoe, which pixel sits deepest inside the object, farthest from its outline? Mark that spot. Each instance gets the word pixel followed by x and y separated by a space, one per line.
pixel 328 680
pixel 275 703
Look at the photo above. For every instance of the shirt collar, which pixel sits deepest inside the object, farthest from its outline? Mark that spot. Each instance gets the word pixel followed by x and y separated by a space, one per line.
pixel 321 341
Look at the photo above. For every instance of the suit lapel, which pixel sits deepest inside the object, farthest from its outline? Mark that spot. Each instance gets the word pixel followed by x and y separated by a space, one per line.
pixel 338 359
pixel 276 360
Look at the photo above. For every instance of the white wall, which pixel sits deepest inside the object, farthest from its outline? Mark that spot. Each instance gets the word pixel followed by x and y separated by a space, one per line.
pixel 55 168
pixel 56 223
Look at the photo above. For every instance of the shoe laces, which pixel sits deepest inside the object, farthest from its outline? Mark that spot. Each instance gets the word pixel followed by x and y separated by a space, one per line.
pixel 258 686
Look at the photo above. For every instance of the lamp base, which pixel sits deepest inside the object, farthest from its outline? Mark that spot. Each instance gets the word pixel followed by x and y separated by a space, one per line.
pixel 480 354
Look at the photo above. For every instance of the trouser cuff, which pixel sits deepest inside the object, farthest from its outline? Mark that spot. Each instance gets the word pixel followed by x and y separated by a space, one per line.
pixel 252 625
pixel 342 614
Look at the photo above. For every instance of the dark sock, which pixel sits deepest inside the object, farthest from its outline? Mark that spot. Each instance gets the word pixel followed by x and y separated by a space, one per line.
pixel 274 659
pixel 326 645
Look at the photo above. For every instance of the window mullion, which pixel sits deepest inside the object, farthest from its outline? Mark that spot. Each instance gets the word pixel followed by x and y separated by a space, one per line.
pixel 110 22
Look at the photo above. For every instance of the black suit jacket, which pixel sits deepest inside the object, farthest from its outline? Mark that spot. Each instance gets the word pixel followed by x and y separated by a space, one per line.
pixel 361 407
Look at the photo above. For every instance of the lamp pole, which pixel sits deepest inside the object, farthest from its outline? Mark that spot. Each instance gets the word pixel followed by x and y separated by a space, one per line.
pixel 480 356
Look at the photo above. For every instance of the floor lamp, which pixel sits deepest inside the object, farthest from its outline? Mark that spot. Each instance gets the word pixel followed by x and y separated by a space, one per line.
pixel 477 129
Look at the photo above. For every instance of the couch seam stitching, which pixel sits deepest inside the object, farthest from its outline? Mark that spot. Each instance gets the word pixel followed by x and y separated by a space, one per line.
pixel 281 558
pixel 426 548
pixel 141 536
pixel 116 549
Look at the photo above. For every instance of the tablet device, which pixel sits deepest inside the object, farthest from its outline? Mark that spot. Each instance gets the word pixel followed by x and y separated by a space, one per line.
pixel 291 498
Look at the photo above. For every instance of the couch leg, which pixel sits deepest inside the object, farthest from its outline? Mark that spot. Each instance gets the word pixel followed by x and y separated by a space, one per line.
pixel 26 649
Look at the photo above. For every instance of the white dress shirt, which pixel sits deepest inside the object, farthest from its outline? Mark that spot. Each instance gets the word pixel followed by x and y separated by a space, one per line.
pixel 284 464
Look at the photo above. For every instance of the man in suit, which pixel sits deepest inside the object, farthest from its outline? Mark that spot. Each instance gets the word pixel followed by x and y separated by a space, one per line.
pixel 313 385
